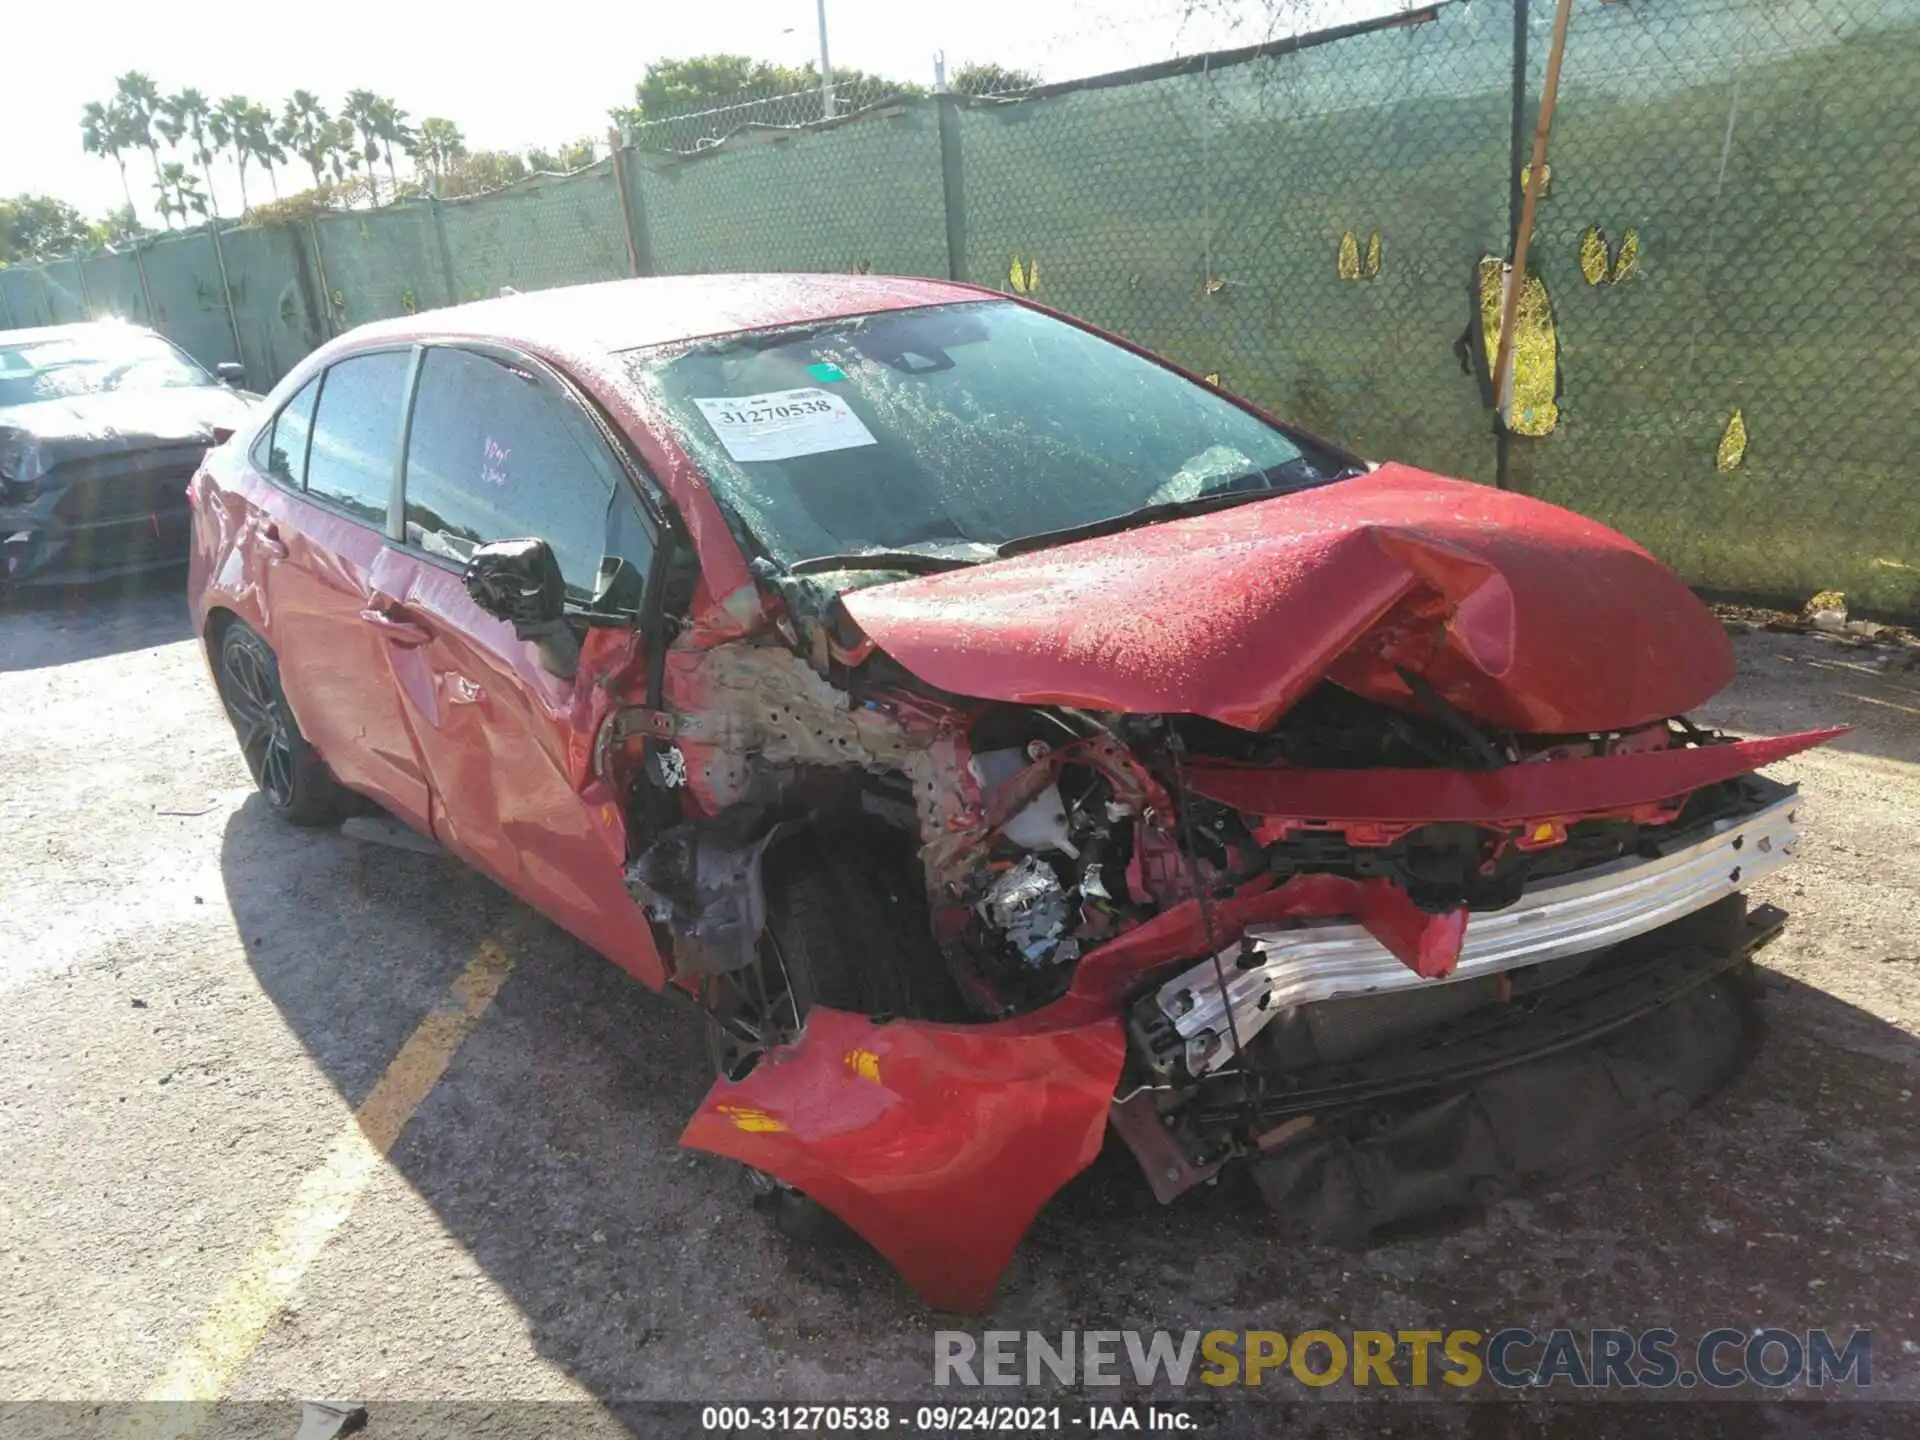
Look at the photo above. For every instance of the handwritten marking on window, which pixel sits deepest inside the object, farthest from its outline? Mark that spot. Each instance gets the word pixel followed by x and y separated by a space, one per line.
pixel 493 462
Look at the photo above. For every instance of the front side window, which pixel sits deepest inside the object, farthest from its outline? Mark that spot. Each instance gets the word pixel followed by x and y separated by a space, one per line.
pixel 497 452
pixel 953 429
pixel 89 361
pixel 281 450
pixel 356 432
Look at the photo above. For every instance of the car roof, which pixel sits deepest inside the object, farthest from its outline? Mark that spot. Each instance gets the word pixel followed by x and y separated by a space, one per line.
pixel 75 330
pixel 615 315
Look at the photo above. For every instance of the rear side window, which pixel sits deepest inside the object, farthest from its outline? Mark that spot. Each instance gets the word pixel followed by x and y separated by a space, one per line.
pixel 282 449
pixel 496 452
pixel 357 432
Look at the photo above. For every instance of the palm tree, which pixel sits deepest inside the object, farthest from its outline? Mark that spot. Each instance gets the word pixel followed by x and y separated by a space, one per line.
pixel 262 141
pixel 179 193
pixel 345 157
pixel 281 136
pixel 191 201
pixel 139 101
pixel 104 131
pixel 307 131
pixel 189 115
pixel 227 127
pixel 121 225
pixel 362 113
pixel 436 145
pixel 390 128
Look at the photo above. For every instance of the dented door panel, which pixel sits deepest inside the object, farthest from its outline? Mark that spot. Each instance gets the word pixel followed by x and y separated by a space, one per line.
pixel 509 751
pixel 317 570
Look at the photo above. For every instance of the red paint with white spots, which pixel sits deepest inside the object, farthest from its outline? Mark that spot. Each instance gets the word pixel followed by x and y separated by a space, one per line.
pixel 1522 614
pixel 939 1142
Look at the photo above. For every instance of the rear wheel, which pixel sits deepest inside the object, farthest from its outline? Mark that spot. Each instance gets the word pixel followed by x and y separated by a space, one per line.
pixel 288 770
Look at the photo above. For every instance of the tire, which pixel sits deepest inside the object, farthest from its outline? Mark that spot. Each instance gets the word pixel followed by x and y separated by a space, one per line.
pixel 847 927
pixel 287 769
pixel 851 924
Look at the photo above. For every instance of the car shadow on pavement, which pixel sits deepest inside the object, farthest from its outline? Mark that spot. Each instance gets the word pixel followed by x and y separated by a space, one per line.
pixel 642 1271
pixel 59 625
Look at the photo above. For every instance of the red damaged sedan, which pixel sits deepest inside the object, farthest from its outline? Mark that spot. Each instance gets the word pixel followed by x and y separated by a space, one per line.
pixel 1002 735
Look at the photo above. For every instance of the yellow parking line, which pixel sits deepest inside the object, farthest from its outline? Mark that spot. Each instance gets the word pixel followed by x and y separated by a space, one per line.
pixel 235 1324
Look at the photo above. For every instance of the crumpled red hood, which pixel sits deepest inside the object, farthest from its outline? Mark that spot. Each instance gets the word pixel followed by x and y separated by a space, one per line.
pixel 1522 614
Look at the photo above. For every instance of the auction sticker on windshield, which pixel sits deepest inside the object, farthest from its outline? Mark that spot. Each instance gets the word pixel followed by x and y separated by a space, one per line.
pixel 783 423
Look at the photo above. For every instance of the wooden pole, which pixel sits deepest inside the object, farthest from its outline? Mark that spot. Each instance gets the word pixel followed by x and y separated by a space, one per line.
pixel 616 149
pixel 1522 241
pixel 326 286
pixel 633 204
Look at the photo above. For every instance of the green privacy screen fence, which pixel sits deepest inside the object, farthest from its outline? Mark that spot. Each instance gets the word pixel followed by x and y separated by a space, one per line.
pixel 1721 354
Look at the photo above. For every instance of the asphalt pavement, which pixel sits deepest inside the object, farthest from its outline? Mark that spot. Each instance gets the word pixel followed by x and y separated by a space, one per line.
pixel 285 1115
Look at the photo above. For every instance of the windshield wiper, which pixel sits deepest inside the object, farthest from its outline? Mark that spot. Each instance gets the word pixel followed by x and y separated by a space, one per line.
pixel 908 562
pixel 1145 515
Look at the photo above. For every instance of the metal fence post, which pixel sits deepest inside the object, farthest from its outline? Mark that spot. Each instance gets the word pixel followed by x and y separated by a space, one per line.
pixel 326 286
pixel 146 290
pixel 1516 197
pixel 440 243
pixel 80 273
pixel 226 290
pixel 6 300
pixel 633 213
pixel 953 190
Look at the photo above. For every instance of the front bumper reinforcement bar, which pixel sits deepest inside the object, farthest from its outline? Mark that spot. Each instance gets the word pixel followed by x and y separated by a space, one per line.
pixel 1276 968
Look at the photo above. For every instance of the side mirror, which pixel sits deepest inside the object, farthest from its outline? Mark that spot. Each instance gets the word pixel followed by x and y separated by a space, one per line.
pixel 519 581
pixel 231 372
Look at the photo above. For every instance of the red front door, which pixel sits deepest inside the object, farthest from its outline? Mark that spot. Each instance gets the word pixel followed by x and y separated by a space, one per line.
pixel 498 448
pixel 508 749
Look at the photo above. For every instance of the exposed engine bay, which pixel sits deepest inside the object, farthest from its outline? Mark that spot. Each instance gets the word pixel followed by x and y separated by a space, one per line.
pixel 1040 835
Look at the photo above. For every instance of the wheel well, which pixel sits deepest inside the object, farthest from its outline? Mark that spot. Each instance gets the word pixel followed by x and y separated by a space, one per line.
pixel 219 621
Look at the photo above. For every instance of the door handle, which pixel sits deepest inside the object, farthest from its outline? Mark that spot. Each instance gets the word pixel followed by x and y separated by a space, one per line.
pixel 271 543
pixel 400 632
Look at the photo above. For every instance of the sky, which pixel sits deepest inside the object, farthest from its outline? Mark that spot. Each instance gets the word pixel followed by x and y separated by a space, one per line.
pixel 523 75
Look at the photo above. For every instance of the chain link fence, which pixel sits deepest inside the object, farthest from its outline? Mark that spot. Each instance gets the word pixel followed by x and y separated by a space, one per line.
pixel 1731 239
pixel 1717 347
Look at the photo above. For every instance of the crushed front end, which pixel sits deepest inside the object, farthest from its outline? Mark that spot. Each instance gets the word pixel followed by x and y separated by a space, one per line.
pixel 93 485
pixel 1370 933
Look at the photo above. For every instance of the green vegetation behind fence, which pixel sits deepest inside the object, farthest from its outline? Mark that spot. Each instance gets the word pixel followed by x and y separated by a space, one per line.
pixel 1726 364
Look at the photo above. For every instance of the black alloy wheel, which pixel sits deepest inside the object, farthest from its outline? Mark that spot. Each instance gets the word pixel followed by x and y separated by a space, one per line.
pixel 287 769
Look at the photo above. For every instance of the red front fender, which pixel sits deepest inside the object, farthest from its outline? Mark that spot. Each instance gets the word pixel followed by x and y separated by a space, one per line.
pixel 937 1143
pixel 940 1143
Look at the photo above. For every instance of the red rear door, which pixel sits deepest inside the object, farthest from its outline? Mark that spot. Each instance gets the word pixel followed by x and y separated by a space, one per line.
pixel 322 531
